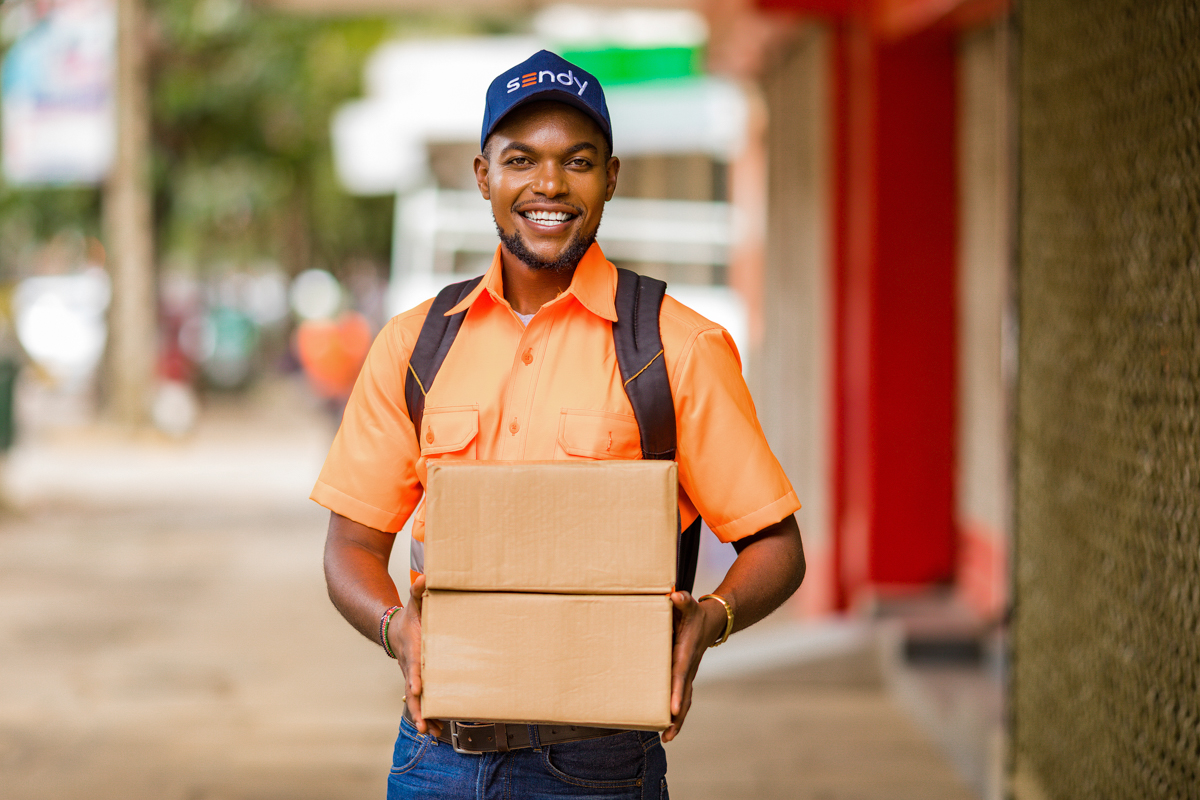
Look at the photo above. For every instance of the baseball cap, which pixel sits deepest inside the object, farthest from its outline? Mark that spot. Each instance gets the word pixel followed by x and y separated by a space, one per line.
pixel 545 76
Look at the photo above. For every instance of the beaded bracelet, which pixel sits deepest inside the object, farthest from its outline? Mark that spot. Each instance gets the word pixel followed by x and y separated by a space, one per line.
pixel 384 622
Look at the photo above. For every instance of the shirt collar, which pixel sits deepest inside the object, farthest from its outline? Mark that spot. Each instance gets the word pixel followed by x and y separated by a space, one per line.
pixel 594 285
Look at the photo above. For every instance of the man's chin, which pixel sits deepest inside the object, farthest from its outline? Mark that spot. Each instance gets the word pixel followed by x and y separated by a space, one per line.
pixel 567 259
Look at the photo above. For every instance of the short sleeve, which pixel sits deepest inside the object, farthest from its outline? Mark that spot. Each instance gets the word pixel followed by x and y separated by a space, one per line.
pixel 725 464
pixel 370 474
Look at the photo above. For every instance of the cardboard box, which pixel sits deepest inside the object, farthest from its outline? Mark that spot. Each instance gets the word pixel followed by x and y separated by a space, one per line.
pixel 598 660
pixel 586 527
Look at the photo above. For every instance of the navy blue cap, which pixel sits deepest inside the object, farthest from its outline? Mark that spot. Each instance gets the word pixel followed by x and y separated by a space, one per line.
pixel 545 76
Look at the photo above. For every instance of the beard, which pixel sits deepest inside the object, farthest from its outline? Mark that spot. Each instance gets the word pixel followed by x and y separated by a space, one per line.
pixel 568 259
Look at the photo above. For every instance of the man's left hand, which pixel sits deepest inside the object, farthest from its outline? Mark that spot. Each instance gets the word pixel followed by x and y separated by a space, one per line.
pixel 696 627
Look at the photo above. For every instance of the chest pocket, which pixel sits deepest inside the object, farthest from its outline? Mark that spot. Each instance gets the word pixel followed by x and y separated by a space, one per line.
pixel 450 430
pixel 597 434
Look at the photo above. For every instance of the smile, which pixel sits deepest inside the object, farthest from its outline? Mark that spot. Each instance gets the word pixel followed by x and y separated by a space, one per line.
pixel 547 218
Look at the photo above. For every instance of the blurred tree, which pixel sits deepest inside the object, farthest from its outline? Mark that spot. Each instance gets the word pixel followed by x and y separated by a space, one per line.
pixel 243 97
pixel 242 101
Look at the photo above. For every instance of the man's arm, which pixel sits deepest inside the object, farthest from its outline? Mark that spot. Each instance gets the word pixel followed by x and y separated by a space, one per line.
pixel 356 573
pixel 767 572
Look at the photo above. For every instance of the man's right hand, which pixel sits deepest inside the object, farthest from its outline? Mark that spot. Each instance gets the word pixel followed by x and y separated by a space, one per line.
pixel 404 636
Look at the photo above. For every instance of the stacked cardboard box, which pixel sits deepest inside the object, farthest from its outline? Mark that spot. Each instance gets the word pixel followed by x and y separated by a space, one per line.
pixel 547 588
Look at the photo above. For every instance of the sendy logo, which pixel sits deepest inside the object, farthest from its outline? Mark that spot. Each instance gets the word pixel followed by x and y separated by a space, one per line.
pixel 532 78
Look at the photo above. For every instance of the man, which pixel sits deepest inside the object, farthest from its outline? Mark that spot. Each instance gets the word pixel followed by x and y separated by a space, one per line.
pixel 532 376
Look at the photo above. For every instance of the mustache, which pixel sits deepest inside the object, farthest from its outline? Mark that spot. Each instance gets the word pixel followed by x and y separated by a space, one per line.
pixel 519 207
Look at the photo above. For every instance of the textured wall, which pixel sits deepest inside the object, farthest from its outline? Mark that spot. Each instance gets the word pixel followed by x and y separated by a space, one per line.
pixel 1107 624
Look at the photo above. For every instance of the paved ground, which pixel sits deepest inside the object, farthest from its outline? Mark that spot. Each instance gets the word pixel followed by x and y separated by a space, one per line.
pixel 164 634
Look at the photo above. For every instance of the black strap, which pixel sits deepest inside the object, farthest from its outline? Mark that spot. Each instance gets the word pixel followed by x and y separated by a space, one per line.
pixel 687 556
pixel 433 343
pixel 640 359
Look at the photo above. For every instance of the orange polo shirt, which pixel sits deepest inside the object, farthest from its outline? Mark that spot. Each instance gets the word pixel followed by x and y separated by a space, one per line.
pixel 551 390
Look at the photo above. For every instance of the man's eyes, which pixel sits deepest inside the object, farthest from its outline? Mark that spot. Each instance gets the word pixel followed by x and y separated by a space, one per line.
pixel 523 161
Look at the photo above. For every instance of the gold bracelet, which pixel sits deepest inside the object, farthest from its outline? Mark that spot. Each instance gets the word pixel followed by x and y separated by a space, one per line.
pixel 728 616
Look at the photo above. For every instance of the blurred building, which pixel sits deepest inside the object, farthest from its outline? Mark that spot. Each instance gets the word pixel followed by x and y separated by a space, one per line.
pixel 883 290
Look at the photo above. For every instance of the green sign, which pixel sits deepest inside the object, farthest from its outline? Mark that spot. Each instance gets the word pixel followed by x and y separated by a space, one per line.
pixel 618 65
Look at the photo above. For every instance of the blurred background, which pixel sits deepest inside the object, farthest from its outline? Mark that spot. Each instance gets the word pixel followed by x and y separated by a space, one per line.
pixel 954 240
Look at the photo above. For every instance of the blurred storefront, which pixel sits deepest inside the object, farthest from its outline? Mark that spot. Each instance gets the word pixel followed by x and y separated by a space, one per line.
pixel 886 271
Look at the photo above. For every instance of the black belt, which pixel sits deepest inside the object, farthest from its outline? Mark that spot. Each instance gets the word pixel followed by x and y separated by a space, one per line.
pixel 497 737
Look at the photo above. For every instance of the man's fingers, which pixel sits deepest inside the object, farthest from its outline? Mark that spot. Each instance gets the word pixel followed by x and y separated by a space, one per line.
pixel 415 592
pixel 414 708
pixel 411 651
pixel 686 659
pixel 679 712
pixel 681 600
pixel 680 667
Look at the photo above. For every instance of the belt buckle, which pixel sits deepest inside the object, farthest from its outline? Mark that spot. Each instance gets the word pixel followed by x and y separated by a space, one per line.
pixel 454 741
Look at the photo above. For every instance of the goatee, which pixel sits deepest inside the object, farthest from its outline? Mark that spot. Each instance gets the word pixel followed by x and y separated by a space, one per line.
pixel 568 259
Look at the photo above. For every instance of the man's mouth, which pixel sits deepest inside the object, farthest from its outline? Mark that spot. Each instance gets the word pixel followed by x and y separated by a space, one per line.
pixel 547 218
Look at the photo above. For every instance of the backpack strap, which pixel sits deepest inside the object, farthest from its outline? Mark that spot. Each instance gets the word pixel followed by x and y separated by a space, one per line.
pixel 643 366
pixel 640 359
pixel 433 343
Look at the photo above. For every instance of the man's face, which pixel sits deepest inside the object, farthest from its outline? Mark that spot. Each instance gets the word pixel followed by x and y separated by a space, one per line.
pixel 547 176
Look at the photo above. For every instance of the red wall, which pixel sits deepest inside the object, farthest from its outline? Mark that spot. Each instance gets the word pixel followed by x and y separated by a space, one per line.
pixel 895 263
pixel 912 355
pixel 895 226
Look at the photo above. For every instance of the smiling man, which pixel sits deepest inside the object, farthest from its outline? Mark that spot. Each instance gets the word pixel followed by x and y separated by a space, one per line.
pixel 547 230
pixel 532 364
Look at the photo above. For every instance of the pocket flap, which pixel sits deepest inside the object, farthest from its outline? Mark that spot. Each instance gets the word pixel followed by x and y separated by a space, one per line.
pixel 599 434
pixel 446 430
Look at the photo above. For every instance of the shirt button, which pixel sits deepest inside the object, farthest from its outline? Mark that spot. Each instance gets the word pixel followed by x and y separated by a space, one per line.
pixel 514 426
pixel 429 435
pixel 527 356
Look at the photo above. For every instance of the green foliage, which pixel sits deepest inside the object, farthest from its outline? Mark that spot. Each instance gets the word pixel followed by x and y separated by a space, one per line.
pixel 242 100
pixel 31 217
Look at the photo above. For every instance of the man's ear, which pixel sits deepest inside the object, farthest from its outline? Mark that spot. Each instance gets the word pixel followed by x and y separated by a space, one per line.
pixel 481 176
pixel 613 167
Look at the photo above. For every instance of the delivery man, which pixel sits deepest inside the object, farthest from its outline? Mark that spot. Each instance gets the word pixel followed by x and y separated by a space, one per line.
pixel 532 376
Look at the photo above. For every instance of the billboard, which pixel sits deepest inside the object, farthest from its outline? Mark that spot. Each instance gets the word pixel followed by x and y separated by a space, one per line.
pixel 58 99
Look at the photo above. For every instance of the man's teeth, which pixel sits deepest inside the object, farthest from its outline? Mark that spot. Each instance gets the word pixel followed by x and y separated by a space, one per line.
pixel 547 217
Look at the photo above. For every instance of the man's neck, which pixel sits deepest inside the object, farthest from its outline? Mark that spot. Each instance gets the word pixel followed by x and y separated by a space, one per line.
pixel 527 289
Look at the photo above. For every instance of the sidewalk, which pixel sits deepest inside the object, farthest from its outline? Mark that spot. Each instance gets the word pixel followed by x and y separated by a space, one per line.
pixel 165 634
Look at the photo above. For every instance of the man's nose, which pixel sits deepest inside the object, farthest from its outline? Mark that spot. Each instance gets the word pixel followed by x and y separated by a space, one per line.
pixel 550 180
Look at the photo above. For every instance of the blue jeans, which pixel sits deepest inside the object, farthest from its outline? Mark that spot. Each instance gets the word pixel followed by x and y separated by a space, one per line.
pixel 625 766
